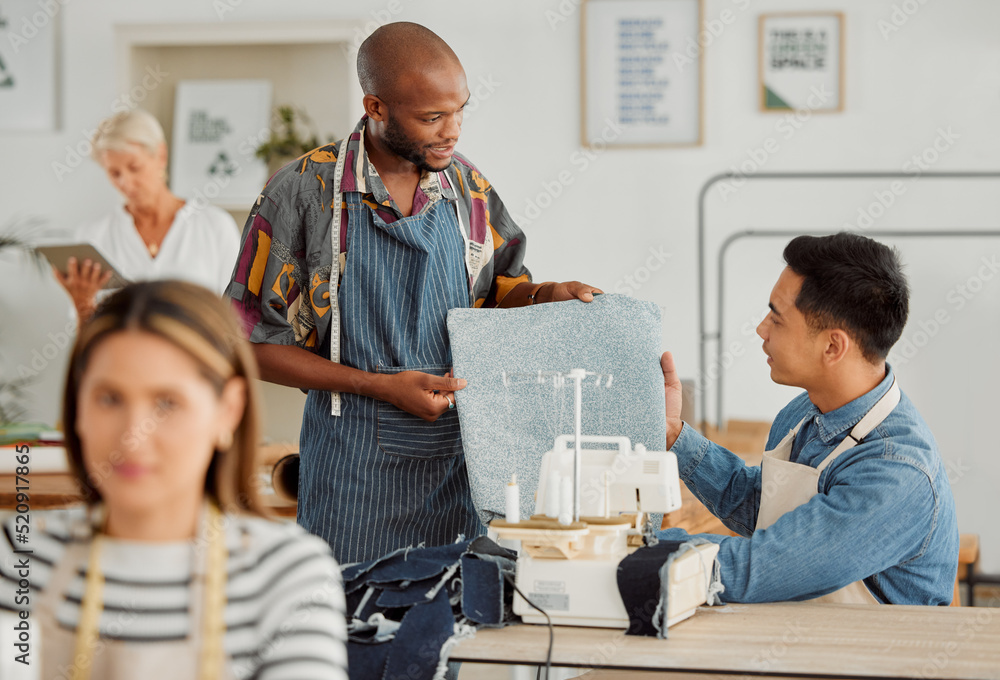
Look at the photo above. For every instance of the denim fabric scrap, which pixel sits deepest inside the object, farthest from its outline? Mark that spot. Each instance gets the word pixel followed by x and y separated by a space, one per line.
pixel 506 428
pixel 365 660
pixel 352 573
pixel 367 607
pixel 639 585
pixel 376 628
pixel 397 595
pixel 416 651
pixel 644 585
pixel 417 563
pixel 481 604
pixel 410 607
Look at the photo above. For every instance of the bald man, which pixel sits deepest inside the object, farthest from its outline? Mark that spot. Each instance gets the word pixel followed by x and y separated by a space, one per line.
pixel 406 229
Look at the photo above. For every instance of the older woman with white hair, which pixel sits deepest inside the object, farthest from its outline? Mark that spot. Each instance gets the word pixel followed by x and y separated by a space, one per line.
pixel 155 234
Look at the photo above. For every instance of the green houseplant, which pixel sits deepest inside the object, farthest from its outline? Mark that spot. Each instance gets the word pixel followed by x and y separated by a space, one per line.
pixel 294 134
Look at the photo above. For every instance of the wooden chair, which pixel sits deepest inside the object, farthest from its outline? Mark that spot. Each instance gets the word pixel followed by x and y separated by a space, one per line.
pixel 968 555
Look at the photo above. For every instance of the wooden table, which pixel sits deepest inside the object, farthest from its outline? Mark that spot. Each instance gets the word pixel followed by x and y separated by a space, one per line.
pixel 788 639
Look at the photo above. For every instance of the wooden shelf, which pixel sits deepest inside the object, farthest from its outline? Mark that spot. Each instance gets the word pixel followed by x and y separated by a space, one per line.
pixel 311 65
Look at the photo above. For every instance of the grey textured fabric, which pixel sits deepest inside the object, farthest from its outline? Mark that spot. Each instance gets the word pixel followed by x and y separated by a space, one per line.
pixel 507 429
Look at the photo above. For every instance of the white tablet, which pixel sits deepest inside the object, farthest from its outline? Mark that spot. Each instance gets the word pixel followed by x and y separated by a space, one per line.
pixel 59 255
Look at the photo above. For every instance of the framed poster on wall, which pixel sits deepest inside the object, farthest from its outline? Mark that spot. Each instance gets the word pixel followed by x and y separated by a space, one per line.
pixel 641 73
pixel 217 126
pixel 801 62
pixel 27 66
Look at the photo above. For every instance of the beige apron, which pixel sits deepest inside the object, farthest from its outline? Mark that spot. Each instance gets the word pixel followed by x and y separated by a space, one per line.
pixel 786 485
pixel 114 659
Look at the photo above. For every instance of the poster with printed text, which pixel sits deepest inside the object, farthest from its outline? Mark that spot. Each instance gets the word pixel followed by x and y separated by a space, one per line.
pixel 28 31
pixel 801 62
pixel 218 125
pixel 641 73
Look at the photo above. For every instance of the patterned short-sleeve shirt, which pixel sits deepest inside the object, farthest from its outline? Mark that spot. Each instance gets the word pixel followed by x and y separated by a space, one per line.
pixel 280 285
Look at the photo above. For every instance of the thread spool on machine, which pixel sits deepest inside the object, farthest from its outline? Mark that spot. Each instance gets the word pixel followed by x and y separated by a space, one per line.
pixel 570 548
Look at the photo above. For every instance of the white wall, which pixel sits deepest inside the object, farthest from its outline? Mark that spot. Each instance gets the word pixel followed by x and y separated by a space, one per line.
pixel 939 71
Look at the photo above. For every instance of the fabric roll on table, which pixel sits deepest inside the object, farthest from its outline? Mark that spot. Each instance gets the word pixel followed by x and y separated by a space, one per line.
pixel 507 428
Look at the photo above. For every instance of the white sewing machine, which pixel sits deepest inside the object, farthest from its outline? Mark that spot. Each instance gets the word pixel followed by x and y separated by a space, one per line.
pixel 592 507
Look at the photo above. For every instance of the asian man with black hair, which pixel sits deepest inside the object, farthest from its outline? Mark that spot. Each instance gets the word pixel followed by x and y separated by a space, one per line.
pixel 851 503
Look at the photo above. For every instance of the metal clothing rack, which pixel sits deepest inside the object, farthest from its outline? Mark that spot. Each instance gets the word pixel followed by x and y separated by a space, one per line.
pixel 705 336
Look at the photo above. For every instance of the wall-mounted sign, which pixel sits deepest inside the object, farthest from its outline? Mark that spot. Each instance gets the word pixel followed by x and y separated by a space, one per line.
pixel 217 126
pixel 641 72
pixel 801 62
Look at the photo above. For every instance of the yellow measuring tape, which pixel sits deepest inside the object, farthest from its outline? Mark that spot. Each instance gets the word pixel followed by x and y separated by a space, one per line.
pixel 213 619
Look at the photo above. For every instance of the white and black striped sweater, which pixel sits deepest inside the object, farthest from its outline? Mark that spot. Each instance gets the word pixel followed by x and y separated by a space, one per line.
pixel 284 598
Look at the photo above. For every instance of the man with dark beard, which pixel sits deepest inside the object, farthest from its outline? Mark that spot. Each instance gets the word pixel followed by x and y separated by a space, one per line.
pixel 394 228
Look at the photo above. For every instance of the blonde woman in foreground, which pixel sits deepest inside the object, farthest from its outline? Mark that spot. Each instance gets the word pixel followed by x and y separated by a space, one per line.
pixel 170 570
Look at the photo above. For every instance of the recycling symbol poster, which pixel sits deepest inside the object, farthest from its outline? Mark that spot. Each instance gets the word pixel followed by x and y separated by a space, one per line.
pixel 217 127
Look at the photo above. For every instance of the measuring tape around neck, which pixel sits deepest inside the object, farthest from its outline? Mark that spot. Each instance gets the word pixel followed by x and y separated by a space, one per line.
pixel 211 538
pixel 337 210
pixel 335 227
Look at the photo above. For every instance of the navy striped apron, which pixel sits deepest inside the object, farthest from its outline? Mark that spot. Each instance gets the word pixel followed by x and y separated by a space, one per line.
pixel 376 478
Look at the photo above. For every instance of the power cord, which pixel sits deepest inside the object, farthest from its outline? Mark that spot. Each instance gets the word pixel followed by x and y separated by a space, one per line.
pixel 548 655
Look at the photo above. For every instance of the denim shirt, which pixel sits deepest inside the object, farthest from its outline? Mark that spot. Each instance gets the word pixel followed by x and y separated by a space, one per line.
pixel 884 512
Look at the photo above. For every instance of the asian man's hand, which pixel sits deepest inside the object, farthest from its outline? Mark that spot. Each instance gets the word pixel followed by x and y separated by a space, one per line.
pixel 673 397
